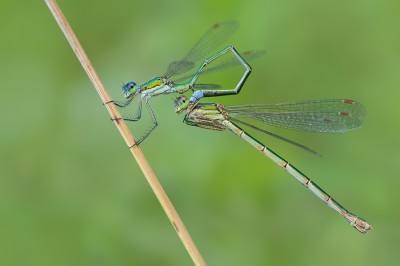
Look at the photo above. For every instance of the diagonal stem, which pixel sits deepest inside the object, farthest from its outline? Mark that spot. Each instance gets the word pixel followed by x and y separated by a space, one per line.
pixel 126 134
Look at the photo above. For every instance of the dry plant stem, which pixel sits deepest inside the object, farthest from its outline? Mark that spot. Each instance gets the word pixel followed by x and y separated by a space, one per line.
pixel 126 134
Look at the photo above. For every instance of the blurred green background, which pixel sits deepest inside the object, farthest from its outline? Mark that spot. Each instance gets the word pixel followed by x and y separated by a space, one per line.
pixel 71 193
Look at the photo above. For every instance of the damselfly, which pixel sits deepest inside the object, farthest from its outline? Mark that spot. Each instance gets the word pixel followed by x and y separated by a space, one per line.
pixel 329 116
pixel 173 80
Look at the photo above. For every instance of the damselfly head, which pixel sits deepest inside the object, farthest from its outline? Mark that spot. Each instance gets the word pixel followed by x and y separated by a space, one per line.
pixel 129 89
pixel 180 104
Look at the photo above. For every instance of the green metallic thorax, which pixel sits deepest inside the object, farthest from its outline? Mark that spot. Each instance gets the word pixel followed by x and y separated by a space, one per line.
pixel 157 81
pixel 159 85
pixel 154 86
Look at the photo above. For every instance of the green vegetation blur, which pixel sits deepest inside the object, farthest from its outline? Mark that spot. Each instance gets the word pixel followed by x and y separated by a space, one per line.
pixel 72 194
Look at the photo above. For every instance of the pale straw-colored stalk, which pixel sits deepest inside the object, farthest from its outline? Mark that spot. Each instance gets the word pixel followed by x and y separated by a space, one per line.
pixel 126 135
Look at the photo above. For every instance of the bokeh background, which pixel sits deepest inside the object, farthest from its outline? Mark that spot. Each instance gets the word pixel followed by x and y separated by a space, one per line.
pixel 71 193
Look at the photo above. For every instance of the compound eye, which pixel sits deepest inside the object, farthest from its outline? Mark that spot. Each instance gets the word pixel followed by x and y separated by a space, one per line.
pixel 182 99
pixel 131 85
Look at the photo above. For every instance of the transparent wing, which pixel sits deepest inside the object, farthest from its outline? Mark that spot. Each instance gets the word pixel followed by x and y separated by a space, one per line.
pixel 211 40
pixel 225 62
pixel 326 116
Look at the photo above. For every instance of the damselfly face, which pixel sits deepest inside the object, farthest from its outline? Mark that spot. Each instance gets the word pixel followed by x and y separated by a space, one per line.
pixel 130 89
pixel 180 104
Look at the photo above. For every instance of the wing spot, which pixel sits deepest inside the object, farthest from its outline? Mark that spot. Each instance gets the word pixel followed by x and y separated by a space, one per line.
pixel 344 113
pixel 348 101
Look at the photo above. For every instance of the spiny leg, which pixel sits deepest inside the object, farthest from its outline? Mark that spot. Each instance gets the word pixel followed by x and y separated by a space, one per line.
pixel 197 95
pixel 122 104
pixel 118 103
pixel 130 118
pixel 154 120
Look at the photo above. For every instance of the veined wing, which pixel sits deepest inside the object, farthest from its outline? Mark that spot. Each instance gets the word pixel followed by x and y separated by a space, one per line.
pixel 211 40
pixel 326 116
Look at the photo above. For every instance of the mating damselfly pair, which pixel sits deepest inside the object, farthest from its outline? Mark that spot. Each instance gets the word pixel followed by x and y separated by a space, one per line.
pixel 327 116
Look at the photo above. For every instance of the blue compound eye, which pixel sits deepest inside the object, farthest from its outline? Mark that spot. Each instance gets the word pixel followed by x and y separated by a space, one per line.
pixel 127 89
pixel 131 84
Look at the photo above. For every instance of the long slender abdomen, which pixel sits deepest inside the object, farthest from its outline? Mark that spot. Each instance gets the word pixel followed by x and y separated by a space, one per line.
pixel 357 222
